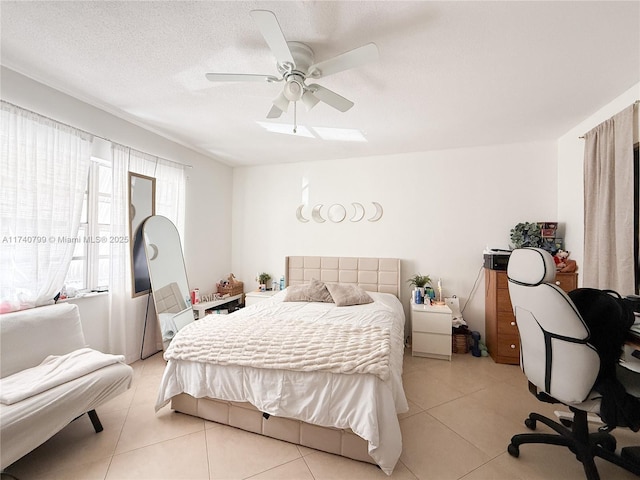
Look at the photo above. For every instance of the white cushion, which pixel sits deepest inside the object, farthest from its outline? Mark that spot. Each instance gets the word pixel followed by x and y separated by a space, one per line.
pixel 29 336
pixel 531 266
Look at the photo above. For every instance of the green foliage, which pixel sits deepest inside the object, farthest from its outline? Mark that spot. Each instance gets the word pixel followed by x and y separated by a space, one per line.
pixel 264 278
pixel 526 235
pixel 420 280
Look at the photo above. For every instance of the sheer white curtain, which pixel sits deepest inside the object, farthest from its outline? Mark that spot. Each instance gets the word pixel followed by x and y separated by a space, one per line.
pixel 125 328
pixel 608 204
pixel 121 309
pixel 44 167
pixel 170 185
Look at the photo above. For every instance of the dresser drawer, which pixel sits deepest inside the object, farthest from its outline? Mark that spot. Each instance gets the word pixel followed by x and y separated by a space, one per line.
pixel 507 324
pixel 431 322
pixel 434 344
pixel 509 346
pixel 503 301
pixel 567 281
pixel 502 281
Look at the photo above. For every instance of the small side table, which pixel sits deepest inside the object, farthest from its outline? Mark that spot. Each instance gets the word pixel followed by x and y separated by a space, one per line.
pixel 201 308
pixel 431 327
pixel 256 296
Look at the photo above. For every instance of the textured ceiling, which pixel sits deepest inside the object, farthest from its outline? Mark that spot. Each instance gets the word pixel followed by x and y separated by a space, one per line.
pixel 450 74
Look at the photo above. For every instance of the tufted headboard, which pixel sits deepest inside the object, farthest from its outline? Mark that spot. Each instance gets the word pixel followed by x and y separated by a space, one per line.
pixel 169 299
pixel 371 274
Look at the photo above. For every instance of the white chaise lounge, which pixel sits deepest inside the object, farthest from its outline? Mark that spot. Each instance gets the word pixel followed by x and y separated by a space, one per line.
pixel 45 348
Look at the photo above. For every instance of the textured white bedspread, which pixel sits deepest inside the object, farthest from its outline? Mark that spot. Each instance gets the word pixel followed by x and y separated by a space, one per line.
pixel 284 345
pixel 362 402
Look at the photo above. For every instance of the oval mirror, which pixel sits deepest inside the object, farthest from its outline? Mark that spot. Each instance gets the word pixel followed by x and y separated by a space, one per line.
pixel 168 276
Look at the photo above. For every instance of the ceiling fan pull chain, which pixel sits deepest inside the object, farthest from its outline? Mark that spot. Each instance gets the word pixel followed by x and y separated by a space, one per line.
pixel 295 117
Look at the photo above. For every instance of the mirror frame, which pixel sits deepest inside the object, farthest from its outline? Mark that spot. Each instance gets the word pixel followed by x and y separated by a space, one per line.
pixel 168 274
pixel 142 205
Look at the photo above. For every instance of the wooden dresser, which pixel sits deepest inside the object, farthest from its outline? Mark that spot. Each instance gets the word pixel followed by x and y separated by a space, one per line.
pixel 500 327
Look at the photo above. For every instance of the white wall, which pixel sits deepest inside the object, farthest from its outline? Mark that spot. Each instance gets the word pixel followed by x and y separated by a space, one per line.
pixel 570 173
pixel 441 208
pixel 207 241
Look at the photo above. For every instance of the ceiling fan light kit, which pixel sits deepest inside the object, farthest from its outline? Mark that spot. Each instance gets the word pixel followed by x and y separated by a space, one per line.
pixel 295 63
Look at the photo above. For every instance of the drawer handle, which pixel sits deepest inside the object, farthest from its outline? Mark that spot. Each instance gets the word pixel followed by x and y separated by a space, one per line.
pixel 557 282
pixel 513 346
pixel 513 324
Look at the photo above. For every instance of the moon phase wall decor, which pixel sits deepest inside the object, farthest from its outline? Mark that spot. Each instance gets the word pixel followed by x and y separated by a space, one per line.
pixel 299 214
pixel 336 213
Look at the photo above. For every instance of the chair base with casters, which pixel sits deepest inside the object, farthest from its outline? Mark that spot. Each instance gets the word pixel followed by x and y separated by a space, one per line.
pixel 585 445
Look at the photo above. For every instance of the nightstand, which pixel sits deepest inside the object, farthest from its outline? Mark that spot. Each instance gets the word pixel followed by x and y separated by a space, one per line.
pixel 431 327
pixel 254 297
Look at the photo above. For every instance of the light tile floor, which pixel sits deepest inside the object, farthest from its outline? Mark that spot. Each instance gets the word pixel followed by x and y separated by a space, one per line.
pixel 462 416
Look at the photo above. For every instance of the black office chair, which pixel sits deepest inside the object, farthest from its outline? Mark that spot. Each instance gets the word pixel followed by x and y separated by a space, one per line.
pixel 559 363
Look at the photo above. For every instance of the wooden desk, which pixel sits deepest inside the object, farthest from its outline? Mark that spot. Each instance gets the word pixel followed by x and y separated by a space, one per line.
pixel 627 360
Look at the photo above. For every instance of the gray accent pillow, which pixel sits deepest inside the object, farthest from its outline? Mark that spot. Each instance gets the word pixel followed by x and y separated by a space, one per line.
pixel 344 294
pixel 314 291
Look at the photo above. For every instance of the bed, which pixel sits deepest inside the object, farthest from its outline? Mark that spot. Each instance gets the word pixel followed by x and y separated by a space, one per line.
pixel 335 387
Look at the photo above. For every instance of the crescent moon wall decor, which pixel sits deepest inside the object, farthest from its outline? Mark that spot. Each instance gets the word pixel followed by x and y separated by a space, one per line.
pixel 358 212
pixel 378 214
pixel 299 215
pixel 315 213
pixel 336 213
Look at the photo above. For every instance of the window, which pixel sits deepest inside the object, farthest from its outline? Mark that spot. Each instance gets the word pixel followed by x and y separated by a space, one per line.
pixel 89 269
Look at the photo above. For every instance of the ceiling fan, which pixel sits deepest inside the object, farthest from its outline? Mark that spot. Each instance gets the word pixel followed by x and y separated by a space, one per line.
pixel 295 64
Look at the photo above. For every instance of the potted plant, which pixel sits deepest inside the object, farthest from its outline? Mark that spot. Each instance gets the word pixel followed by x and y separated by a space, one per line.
pixel 264 278
pixel 526 235
pixel 420 280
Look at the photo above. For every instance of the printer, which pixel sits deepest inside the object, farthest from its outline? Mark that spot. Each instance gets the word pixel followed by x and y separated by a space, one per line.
pixel 496 259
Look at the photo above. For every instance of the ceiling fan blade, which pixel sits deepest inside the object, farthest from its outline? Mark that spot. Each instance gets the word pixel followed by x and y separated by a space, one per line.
pixel 272 33
pixel 275 112
pixel 240 77
pixel 282 102
pixel 331 98
pixel 309 100
pixel 351 59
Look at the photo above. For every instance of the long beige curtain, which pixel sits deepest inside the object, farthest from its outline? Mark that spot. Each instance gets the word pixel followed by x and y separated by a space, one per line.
pixel 608 204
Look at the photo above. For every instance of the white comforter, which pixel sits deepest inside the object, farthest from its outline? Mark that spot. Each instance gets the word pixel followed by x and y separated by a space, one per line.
pixel 364 403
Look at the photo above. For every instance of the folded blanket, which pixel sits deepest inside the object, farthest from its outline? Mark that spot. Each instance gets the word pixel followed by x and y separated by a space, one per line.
pixel 284 344
pixel 53 371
